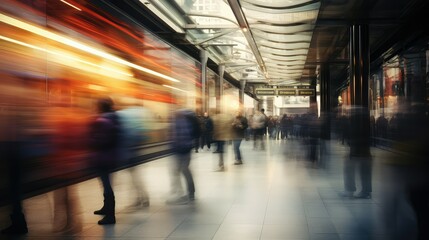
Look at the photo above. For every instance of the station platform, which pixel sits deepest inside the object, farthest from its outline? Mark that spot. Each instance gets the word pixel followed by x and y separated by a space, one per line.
pixel 275 194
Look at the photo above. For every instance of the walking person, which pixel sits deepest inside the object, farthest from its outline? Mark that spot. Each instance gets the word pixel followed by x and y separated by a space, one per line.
pixel 134 121
pixel 359 158
pixel 206 131
pixel 259 129
pixel 239 126
pixel 221 134
pixel 185 130
pixel 67 127
pixel 104 141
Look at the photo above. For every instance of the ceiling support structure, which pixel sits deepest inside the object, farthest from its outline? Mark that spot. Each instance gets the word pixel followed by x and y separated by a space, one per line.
pixel 242 22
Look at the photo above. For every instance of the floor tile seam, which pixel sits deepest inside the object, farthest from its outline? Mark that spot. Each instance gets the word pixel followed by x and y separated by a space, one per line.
pixel 266 209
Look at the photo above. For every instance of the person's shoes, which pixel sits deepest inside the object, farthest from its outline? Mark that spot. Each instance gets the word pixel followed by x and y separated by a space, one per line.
pixel 178 200
pixel 363 195
pixel 101 211
pixel 139 204
pixel 346 194
pixel 191 197
pixel 145 203
pixel 18 226
pixel 15 229
pixel 220 169
pixel 107 220
pixel 238 162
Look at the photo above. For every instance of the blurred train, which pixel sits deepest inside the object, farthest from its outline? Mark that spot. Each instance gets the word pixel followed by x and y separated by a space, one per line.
pixel 57 57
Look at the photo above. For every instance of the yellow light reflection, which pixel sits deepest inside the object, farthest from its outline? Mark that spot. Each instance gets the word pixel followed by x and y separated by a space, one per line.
pixel 63 56
pixel 75 44
pixel 178 89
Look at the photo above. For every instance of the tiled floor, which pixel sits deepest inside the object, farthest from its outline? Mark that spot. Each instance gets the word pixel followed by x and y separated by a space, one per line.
pixel 274 195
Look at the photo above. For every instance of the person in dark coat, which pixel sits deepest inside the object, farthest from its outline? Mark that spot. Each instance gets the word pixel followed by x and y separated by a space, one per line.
pixel 104 142
pixel 185 130
pixel 206 131
pixel 239 126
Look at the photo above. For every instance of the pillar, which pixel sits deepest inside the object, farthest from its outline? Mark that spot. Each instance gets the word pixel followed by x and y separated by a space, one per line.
pixel 219 92
pixel 241 95
pixel 359 90
pixel 325 100
pixel 204 100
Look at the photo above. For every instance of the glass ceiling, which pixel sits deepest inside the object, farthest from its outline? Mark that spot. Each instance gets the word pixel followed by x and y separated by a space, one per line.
pixel 263 41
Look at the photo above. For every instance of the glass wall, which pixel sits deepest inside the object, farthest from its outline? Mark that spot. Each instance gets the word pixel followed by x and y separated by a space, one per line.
pixel 397 90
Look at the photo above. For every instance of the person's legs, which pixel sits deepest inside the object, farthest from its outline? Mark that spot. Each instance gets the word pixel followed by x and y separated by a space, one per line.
pixel 142 194
pixel 176 181
pixel 185 161
pixel 176 188
pixel 419 200
pixel 11 152
pixel 237 152
pixel 221 151
pixel 262 137
pixel 209 140
pixel 255 138
pixel 366 177
pixel 349 177
pixel 108 208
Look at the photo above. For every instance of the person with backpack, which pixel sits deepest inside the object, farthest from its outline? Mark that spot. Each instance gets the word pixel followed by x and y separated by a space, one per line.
pixel 104 133
pixel 185 129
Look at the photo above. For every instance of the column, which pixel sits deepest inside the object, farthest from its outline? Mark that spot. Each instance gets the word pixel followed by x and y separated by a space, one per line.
pixel 219 92
pixel 359 90
pixel 204 100
pixel 241 95
pixel 325 100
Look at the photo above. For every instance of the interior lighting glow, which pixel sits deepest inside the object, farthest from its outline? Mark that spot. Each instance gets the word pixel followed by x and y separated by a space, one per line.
pixel 244 29
pixel 62 55
pixel 71 5
pixel 96 87
pixel 178 89
pixel 75 44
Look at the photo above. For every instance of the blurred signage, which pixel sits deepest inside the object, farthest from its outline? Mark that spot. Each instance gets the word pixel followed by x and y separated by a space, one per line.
pixel 265 92
pixel 286 92
pixel 306 92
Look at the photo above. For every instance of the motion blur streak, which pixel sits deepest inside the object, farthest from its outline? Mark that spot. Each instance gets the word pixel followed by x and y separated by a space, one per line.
pixel 58 38
pixel 63 55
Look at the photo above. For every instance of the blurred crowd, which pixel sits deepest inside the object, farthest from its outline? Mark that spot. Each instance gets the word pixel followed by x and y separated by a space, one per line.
pixel 105 139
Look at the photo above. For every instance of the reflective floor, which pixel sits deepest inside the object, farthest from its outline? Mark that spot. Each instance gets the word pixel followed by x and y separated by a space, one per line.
pixel 275 194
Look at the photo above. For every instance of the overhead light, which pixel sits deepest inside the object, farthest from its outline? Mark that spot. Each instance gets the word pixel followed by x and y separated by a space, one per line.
pixel 244 29
pixel 71 5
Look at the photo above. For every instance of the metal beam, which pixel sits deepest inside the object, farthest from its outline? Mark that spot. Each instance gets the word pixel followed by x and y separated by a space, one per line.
pixel 242 22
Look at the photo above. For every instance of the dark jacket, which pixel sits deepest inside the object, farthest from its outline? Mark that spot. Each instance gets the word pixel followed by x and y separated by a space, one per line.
pixel 104 137
pixel 239 126
pixel 185 129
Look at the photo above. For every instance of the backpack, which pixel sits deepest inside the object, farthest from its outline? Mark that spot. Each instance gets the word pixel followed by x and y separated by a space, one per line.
pixel 105 132
pixel 194 126
pixel 186 129
pixel 133 130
